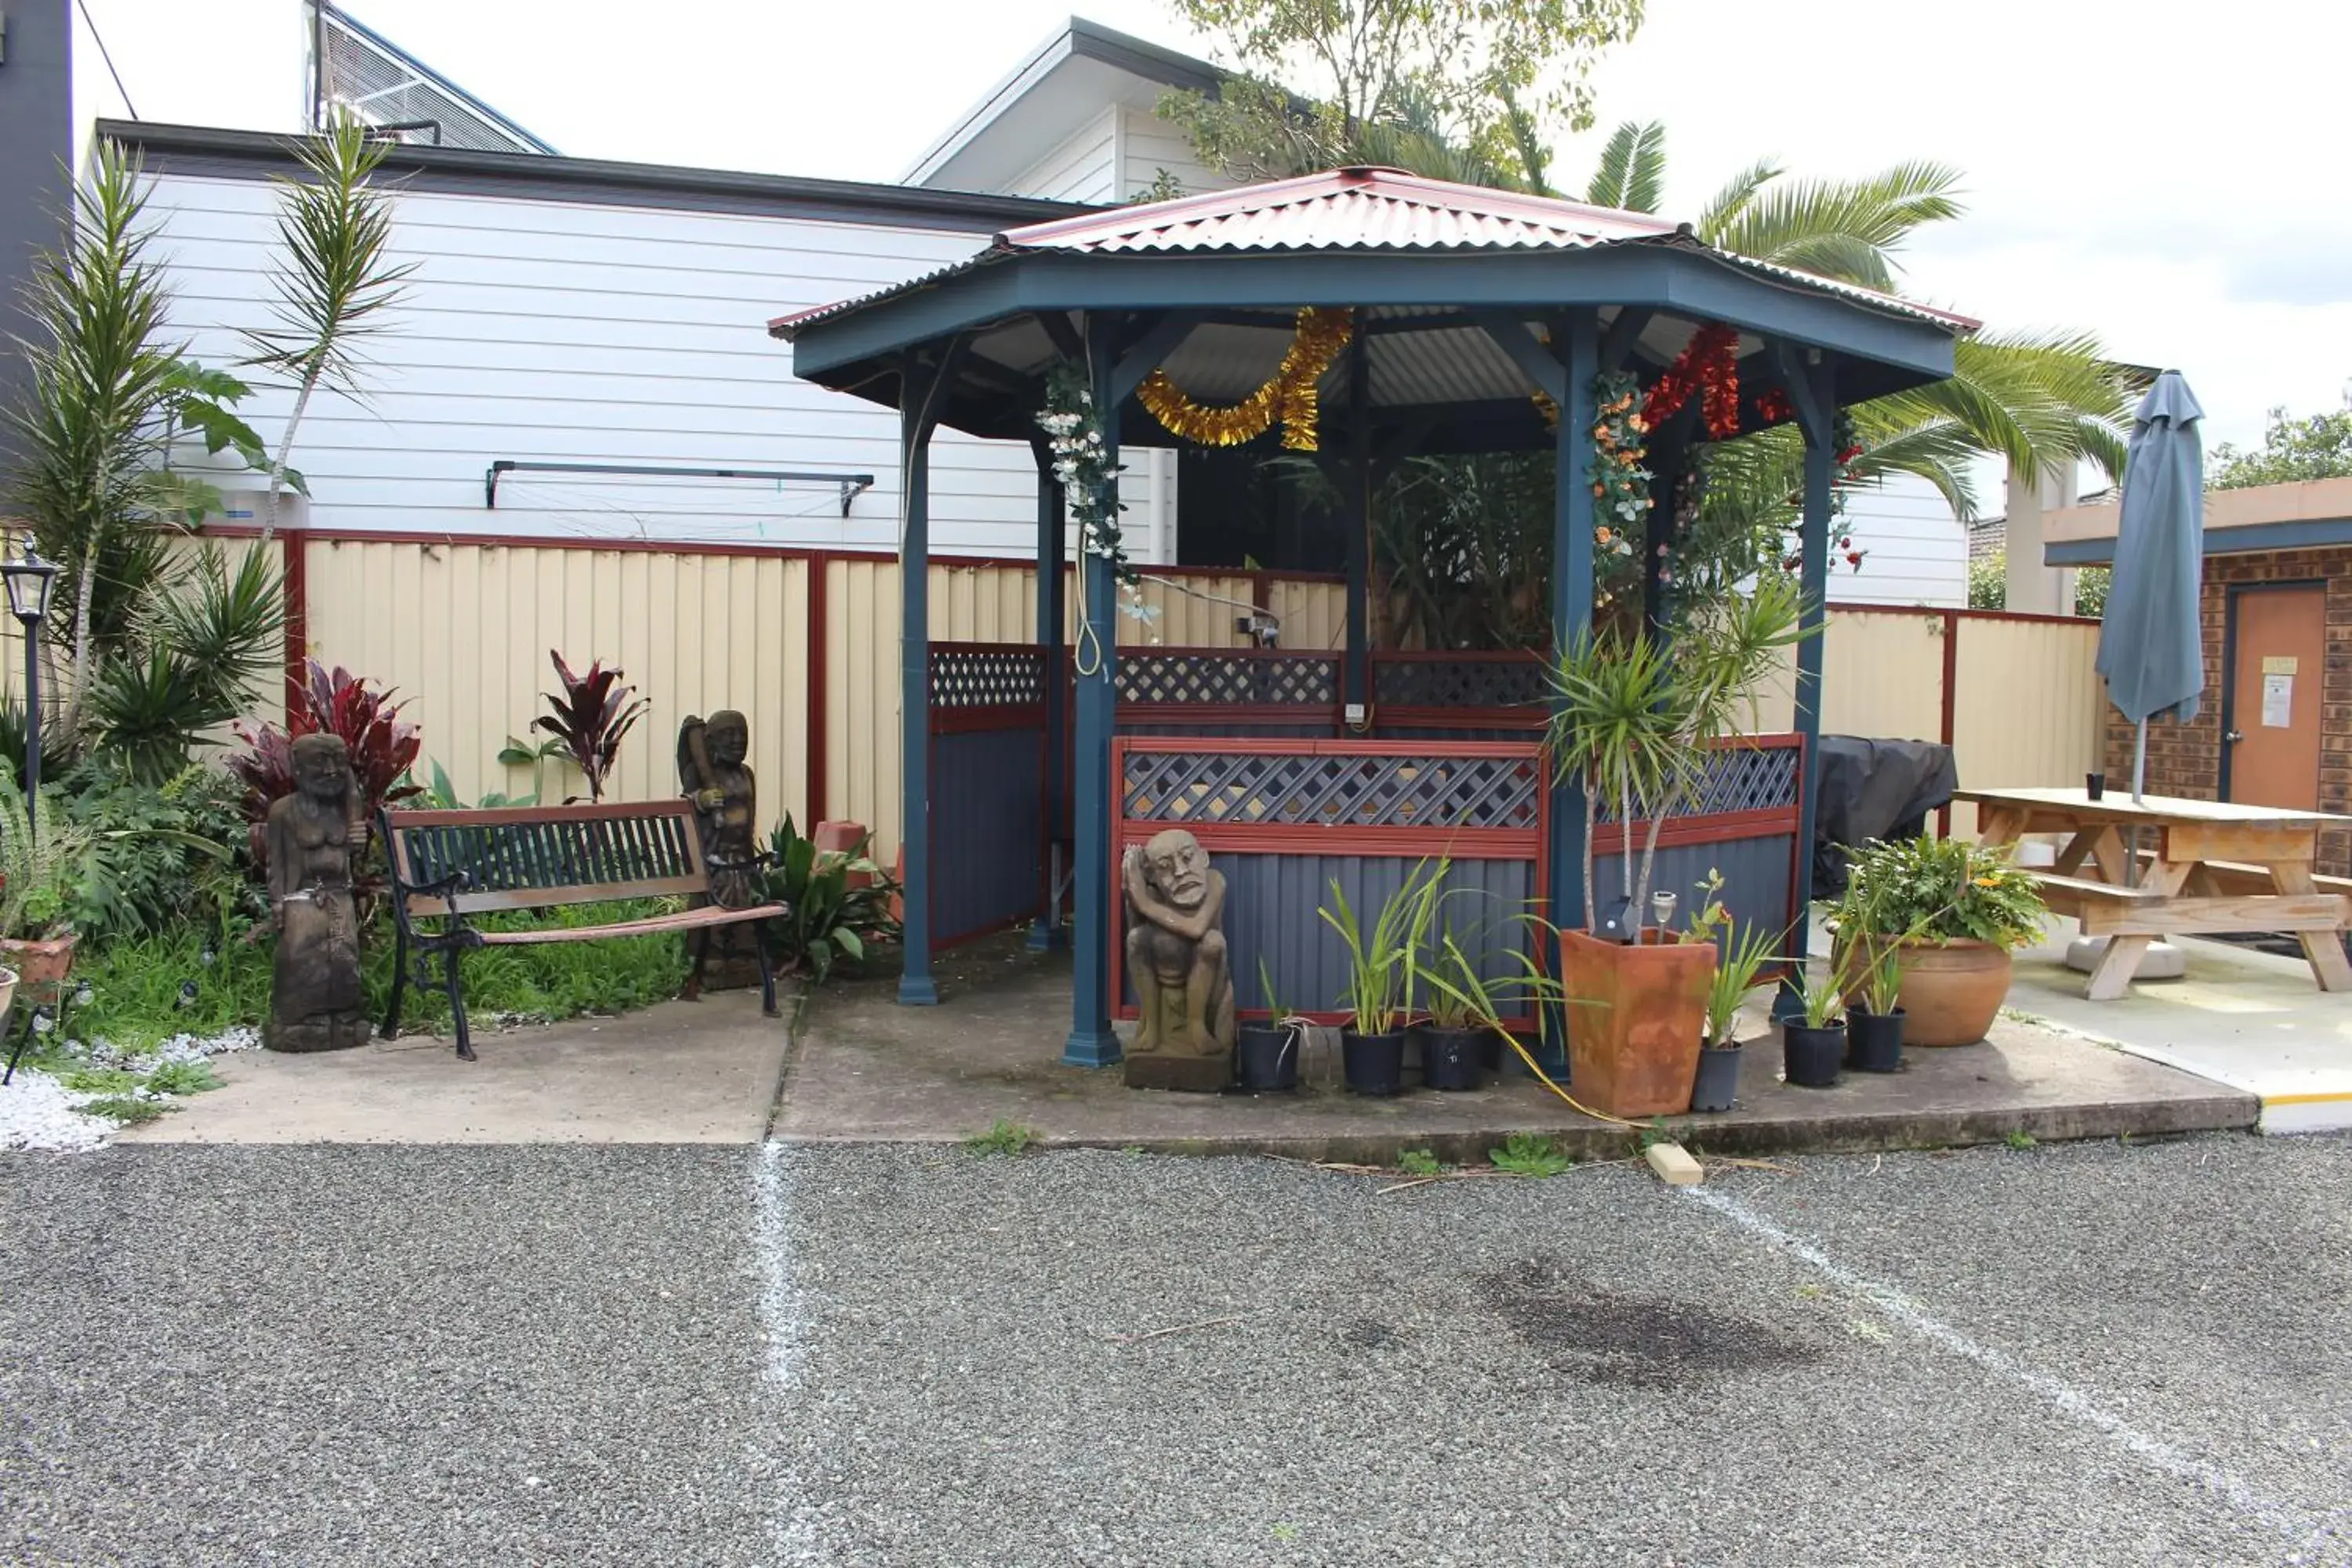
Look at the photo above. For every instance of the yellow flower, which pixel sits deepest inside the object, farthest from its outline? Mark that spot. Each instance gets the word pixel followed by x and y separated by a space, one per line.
pixel 1988 881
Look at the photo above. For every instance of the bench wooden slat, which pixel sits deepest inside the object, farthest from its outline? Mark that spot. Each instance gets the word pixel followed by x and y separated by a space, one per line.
pixel 2206 917
pixel 652 925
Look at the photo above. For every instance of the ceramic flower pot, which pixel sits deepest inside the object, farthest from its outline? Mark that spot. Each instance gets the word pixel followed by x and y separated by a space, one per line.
pixel 41 967
pixel 1636 1014
pixel 1951 990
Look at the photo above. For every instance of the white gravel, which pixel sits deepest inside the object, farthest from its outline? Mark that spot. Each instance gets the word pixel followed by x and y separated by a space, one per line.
pixel 36 1111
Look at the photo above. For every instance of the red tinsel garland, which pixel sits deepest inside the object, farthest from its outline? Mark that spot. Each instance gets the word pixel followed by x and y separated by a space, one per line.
pixel 1708 365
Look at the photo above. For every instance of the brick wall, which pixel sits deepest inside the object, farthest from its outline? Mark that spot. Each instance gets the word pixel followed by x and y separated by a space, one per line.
pixel 2186 759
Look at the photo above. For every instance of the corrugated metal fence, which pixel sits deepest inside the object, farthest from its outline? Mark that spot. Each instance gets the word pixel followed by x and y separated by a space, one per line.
pixel 806 642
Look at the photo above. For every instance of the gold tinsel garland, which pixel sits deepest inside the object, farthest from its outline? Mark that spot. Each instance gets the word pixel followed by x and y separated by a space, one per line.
pixel 1292 395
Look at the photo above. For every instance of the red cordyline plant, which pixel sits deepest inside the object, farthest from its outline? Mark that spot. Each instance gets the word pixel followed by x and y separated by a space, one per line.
pixel 339 703
pixel 590 718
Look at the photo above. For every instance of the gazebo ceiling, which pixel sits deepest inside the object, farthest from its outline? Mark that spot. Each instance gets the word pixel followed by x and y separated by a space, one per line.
pixel 1428 266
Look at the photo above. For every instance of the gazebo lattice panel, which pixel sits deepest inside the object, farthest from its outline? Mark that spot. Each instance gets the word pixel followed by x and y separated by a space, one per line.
pixel 1201 787
pixel 1509 681
pixel 967 677
pixel 1739 778
pixel 1239 680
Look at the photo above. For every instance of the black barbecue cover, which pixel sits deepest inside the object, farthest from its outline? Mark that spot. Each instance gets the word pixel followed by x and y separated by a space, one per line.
pixel 1875 789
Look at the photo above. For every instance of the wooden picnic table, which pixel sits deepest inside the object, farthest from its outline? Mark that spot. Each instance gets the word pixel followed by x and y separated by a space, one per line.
pixel 2215 866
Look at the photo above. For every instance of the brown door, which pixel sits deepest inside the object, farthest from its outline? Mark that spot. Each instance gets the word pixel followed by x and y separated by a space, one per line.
pixel 2278 663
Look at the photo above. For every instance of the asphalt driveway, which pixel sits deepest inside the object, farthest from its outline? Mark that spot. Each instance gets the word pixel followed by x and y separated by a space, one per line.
pixel 915 1355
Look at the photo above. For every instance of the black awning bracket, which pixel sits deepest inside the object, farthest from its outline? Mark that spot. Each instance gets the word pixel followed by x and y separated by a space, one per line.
pixel 851 485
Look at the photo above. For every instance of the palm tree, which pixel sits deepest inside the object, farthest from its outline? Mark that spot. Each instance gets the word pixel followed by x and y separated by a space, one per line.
pixel 2035 400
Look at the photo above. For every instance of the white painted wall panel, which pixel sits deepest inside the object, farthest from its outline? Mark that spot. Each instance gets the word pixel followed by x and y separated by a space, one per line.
pixel 554 332
pixel 1148 144
pixel 1083 168
pixel 1915 550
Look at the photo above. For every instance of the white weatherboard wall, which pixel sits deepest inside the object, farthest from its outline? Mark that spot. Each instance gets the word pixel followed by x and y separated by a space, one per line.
pixel 1915 551
pixel 1148 144
pixel 1081 169
pixel 556 331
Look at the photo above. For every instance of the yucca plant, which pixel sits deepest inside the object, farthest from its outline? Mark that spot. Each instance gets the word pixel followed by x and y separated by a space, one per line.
pixel 1380 957
pixel 591 717
pixel 336 283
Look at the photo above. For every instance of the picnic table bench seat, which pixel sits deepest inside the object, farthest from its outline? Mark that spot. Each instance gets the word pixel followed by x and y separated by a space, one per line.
pixel 448 866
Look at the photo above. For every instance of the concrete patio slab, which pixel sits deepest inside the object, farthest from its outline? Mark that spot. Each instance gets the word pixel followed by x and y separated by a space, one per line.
pixel 682 1072
pixel 868 1069
pixel 2252 1020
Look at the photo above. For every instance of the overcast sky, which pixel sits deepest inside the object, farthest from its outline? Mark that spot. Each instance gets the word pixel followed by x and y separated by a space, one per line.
pixel 2172 177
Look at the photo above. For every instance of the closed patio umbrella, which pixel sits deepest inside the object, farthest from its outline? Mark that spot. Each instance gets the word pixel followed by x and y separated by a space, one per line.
pixel 2151 643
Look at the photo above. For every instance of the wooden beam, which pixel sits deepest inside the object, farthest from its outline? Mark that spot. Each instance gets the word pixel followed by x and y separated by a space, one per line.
pixel 1538 363
pixel 1813 418
pixel 1617 343
pixel 1063 336
pixel 1158 341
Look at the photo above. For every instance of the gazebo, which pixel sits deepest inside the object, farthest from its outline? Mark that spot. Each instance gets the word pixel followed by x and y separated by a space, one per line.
pixel 1474 320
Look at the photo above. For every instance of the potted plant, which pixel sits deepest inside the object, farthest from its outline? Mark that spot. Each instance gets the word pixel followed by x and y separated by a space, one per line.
pixel 1813 1046
pixel 37 870
pixel 1954 912
pixel 1453 1042
pixel 1378 968
pixel 1634 719
pixel 1268 1054
pixel 1740 965
pixel 1875 1015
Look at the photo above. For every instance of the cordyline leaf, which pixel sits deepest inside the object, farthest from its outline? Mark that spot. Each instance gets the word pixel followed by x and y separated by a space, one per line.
pixel 591 717
pixel 337 702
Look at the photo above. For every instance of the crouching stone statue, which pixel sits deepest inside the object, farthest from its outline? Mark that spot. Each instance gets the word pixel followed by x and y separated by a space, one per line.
pixel 1176 960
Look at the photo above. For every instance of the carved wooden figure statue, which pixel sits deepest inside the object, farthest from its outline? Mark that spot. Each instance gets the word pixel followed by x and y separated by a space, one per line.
pixel 711 774
pixel 1176 958
pixel 313 836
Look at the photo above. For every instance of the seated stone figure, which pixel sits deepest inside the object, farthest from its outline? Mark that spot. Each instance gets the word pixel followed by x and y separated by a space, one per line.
pixel 313 836
pixel 1176 961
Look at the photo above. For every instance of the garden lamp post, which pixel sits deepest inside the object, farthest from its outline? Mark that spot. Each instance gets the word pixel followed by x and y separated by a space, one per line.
pixel 30 578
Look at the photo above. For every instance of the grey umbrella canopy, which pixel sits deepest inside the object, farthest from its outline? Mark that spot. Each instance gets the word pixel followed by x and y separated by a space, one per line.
pixel 2151 644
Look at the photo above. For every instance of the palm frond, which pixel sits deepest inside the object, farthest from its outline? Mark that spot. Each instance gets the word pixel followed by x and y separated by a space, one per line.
pixel 1632 175
pixel 1732 198
pixel 336 281
pixel 2032 399
pixel 1850 226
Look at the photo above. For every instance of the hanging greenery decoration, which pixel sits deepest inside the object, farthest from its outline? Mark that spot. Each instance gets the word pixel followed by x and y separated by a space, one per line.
pixel 1292 395
pixel 1082 463
pixel 1621 484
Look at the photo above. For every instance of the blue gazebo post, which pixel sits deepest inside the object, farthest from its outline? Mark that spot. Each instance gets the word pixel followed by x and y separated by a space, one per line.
pixel 1355 670
pixel 1576 342
pixel 919 383
pixel 1048 931
pixel 1813 388
pixel 1092 1043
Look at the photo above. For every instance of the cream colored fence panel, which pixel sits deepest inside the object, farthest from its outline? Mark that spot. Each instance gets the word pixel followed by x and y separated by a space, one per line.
pixel 463 632
pixel 861 698
pixel 2028 706
pixel 1314 614
pixel 1882 674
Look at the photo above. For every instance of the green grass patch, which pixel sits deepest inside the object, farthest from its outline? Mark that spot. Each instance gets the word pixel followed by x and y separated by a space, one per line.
pixel 1008 1138
pixel 93 1080
pixel 184 1078
pixel 1419 1163
pixel 1529 1154
pixel 125 1110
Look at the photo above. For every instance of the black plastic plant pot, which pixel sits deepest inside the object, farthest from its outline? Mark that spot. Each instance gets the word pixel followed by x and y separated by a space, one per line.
pixel 1811 1056
pixel 1268 1057
pixel 1718 1084
pixel 1374 1064
pixel 1451 1058
pixel 1873 1041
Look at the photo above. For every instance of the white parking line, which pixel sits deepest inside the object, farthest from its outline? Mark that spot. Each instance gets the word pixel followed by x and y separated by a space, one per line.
pixel 2299 1523
pixel 784 1323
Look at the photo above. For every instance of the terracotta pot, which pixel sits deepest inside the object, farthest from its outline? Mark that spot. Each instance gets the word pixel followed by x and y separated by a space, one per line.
pixel 7 998
pixel 1951 990
pixel 41 967
pixel 1636 1017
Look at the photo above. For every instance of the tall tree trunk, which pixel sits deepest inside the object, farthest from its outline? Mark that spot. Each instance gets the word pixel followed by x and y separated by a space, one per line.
pixel 1649 860
pixel 1591 827
pixel 80 686
pixel 286 450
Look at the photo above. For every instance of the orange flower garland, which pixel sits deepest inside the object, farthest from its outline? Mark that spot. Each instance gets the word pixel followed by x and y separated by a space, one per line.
pixel 1292 396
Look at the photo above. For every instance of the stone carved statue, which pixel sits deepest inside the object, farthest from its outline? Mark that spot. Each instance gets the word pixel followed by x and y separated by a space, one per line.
pixel 1176 958
pixel 711 774
pixel 313 836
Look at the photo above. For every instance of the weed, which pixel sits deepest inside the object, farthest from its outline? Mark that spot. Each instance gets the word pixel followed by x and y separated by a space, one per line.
pixel 1004 1138
pixel 1529 1154
pixel 1419 1163
pixel 124 1109
pixel 96 1081
pixel 184 1078
pixel 1286 1532
pixel 2020 1138
pixel 1653 1132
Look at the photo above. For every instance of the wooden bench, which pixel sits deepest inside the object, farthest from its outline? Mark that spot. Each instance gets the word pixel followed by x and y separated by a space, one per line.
pixel 450 865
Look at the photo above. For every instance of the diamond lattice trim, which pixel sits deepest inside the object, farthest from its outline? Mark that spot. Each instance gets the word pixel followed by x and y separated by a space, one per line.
pixel 1331 792
pixel 1306 680
pixel 1737 778
pixel 1010 676
pixel 1507 682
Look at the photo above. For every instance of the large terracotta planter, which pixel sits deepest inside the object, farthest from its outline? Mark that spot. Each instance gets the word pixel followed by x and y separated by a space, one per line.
pixel 1951 990
pixel 41 968
pixel 1635 1018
